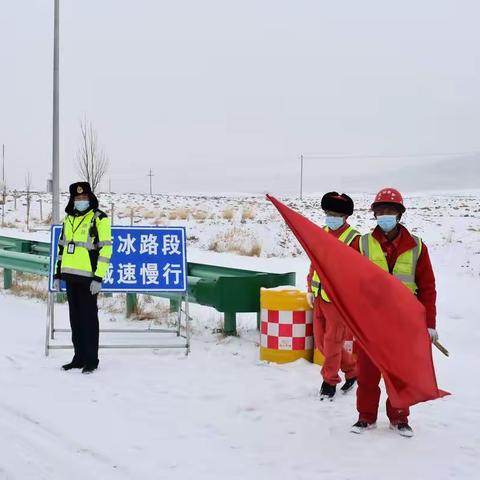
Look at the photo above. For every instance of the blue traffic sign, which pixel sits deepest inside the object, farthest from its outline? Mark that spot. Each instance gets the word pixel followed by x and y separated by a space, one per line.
pixel 144 259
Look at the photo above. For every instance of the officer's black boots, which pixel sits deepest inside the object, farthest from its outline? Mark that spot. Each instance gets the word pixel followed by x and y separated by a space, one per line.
pixel 73 364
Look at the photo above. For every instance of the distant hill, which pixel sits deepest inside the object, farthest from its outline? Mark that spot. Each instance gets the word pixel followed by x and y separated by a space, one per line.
pixel 457 173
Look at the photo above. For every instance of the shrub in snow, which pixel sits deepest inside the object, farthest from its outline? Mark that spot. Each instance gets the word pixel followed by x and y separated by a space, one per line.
pixel 247 214
pixel 237 240
pixel 228 214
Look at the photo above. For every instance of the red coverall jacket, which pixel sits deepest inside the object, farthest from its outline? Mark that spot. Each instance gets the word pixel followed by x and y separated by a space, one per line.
pixel 424 277
pixel 330 333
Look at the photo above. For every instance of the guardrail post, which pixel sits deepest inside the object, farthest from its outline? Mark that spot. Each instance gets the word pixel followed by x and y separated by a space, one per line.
pixel 24 246
pixel 259 320
pixel 7 278
pixel 175 305
pixel 61 297
pixel 230 323
pixel 131 304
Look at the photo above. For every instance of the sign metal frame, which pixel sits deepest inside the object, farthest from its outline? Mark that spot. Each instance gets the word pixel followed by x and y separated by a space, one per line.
pixel 182 311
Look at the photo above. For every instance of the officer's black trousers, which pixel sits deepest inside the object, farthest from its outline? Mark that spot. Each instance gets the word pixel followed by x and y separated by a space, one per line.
pixel 84 322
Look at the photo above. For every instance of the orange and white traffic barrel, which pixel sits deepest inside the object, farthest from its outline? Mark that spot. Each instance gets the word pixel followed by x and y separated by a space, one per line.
pixel 318 357
pixel 286 325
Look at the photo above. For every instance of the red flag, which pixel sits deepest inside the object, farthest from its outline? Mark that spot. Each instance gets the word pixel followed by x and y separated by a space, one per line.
pixel 387 321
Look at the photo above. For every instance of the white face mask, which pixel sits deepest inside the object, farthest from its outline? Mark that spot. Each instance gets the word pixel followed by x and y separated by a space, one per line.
pixel 387 222
pixel 333 223
pixel 81 205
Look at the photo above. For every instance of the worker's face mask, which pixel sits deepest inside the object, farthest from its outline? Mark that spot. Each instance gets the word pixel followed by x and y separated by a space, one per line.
pixel 387 222
pixel 333 223
pixel 81 205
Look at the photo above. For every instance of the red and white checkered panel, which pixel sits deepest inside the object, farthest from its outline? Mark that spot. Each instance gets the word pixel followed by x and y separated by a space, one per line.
pixel 285 330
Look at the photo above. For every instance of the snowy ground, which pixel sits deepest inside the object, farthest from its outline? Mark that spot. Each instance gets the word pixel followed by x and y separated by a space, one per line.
pixel 221 413
pixel 251 226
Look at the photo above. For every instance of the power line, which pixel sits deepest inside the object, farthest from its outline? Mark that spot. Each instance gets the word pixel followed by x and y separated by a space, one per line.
pixel 314 156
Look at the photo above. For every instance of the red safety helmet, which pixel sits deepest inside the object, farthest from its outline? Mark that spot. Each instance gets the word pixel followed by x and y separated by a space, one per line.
pixel 390 196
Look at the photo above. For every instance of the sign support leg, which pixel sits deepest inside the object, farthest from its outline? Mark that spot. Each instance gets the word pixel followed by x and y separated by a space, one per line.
pixel 179 314
pixel 48 328
pixel 187 323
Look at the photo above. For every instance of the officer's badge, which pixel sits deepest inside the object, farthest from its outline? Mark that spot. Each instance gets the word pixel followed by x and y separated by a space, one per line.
pixel 79 189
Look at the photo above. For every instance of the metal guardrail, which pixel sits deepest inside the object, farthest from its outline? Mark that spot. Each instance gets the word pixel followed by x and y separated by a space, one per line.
pixel 21 256
pixel 228 290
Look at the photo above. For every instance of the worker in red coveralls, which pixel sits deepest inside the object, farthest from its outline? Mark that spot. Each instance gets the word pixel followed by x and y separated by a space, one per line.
pixel 329 330
pixel 394 249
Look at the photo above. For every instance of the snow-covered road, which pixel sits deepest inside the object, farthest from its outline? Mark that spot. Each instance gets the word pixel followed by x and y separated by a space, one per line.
pixel 221 413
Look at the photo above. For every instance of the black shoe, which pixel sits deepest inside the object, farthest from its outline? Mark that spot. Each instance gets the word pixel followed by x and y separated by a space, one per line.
pixel 327 391
pixel 89 368
pixel 349 384
pixel 73 364
pixel 403 429
pixel 362 426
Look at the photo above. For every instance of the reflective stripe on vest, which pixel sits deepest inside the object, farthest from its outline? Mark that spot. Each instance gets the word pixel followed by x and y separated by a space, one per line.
pixel 104 243
pixel 347 238
pixel 87 245
pixel 406 265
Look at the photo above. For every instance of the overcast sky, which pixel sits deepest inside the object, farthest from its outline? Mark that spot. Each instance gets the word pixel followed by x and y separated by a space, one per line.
pixel 224 95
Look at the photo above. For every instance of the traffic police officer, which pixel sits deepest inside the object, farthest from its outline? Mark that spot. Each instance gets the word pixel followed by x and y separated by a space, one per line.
pixel 84 252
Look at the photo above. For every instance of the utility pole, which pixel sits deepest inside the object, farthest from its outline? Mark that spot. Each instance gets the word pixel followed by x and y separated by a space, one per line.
pixel 150 174
pixel 55 139
pixel 110 185
pixel 301 177
pixel 55 157
pixel 4 187
pixel 3 165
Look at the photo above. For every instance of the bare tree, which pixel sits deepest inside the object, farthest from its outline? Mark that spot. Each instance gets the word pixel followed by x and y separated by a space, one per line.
pixel 91 159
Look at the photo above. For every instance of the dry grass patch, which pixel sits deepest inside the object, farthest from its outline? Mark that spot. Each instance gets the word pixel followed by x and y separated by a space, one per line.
pixel 148 309
pixel 228 214
pixel 200 215
pixel 111 305
pixel 248 214
pixel 26 277
pixel 149 215
pixel 237 240
pixel 30 291
pixel 183 213
pixel 30 285
pixel 179 214
pixel 47 220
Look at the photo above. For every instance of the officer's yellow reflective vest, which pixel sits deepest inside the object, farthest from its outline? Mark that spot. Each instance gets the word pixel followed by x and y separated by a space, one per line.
pixel 85 246
pixel 347 237
pixel 406 265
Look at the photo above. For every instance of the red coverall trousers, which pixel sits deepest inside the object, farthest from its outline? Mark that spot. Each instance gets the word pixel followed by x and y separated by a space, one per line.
pixel 368 393
pixel 330 334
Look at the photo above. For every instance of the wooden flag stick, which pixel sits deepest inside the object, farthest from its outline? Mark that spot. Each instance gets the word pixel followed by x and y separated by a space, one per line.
pixel 442 348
